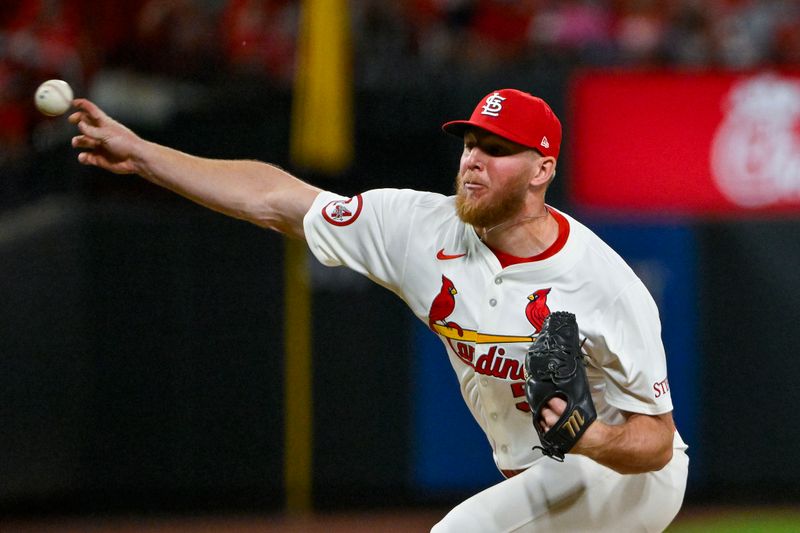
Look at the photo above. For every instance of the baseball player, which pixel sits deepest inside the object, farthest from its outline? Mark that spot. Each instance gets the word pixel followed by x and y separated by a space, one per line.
pixel 484 269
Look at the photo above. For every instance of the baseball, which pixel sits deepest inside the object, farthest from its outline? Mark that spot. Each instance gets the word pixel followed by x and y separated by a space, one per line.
pixel 53 97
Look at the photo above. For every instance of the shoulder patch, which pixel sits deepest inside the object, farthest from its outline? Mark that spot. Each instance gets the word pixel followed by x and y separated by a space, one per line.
pixel 343 212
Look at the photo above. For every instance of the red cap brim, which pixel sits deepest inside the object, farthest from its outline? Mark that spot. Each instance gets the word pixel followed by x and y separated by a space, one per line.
pixel 459 127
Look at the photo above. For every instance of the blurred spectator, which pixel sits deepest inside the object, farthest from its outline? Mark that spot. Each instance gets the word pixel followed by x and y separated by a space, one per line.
pixel 383 37
pixel 258 37
pixel 744 31
pixel 639 31
pixel 438 28
pixel 689 39
pixel 39 40
pixel 44 37
pixel 786 50
pixel 109 30
pixel 579 30
pixel 178 38
pixel 498 32
pixel 398 43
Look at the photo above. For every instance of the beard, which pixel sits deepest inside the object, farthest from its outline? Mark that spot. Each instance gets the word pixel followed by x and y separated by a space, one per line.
pixel 491 209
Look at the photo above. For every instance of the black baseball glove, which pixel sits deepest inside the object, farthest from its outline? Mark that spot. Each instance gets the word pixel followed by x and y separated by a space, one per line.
pixel 554 366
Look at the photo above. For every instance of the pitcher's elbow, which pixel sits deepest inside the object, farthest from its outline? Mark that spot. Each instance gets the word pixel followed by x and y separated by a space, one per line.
pixel 658 460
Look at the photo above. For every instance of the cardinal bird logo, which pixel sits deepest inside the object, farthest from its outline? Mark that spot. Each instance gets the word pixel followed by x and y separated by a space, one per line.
pixel 537 309
pixel 443 305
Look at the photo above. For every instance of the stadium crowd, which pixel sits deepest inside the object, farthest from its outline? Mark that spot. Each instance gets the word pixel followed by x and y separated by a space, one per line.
pixel 208 40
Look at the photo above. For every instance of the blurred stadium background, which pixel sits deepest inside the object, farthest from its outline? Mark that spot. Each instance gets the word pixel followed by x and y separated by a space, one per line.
pixel 163 368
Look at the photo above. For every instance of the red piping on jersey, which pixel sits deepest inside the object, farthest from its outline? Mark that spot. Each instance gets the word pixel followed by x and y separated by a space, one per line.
pixel 563 234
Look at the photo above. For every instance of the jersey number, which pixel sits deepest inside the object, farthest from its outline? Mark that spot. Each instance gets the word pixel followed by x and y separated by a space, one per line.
pixel 466 353
pixel 518 390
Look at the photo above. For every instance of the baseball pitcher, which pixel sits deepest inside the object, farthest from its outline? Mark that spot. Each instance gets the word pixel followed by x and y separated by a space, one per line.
pixel 555 342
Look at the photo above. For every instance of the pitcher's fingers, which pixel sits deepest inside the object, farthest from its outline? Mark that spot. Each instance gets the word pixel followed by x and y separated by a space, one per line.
pixel 88 158
pixel 548 417
pixel 89 130
pixel 557 404
pixel 82 141
pixel 89 107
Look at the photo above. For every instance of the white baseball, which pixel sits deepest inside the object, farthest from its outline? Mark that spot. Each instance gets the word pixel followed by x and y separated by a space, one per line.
pixel 53 97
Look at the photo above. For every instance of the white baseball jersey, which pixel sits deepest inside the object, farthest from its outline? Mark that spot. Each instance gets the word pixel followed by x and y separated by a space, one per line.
pixel 414 244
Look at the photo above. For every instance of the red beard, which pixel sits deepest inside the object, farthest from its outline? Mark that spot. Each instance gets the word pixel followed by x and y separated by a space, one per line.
pixel 495 207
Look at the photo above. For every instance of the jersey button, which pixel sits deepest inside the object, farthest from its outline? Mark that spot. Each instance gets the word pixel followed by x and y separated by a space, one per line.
pixel 504 448
pixel 492 302
pixel 494 416
pixel 498 281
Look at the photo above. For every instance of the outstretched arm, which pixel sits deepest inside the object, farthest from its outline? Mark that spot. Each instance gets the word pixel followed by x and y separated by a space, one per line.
pixel 250 190
pixel 642 443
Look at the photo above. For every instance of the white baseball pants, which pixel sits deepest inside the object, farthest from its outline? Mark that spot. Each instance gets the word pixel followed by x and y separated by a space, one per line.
pixel 576 495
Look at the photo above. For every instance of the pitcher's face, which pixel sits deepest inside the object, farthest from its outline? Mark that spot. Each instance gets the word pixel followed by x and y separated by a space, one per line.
pixel 493 181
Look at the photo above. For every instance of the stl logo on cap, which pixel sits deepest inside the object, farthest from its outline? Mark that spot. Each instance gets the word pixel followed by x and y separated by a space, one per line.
pixel 517 116
pixel 493 106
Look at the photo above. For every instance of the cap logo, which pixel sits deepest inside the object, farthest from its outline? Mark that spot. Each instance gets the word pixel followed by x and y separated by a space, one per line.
pixel 493 106
pixel 545 143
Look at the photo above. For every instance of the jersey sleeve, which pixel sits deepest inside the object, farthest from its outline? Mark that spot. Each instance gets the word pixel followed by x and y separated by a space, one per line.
pixel 634 361
pixel 368 233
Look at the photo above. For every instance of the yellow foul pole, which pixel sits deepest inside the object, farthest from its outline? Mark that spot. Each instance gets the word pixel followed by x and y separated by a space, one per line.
pixel 321 142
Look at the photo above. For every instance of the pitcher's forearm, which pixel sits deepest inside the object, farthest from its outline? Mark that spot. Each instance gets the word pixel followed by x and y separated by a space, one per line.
pixel 250 190
pixel 642 444
pixel 258 192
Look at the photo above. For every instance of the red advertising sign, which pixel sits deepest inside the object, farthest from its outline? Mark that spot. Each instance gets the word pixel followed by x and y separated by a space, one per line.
pixel 684 143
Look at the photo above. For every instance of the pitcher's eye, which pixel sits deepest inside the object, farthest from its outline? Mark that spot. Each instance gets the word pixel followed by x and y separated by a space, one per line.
pixel 496 150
